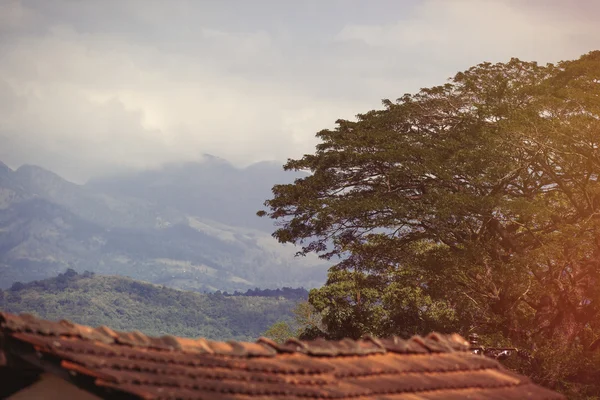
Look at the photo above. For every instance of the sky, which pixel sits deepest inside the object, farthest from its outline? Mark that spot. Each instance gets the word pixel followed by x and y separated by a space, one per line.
pixel 98 87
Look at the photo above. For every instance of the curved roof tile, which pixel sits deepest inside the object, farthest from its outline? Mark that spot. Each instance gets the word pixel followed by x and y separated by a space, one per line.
pixel 131 363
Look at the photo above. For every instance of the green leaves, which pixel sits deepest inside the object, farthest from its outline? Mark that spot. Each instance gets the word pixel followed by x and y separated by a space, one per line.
pixel 471 206
pixel 279 332
pixel 306 324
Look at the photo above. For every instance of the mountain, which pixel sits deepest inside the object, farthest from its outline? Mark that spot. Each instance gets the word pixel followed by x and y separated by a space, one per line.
pixel 211 189
pixel 188 226
pixel 127 305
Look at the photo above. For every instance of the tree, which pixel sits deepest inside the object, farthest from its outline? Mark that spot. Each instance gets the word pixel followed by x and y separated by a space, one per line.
pixel 471 206
pixel 279 332
pixel 306 325
pixel 308 322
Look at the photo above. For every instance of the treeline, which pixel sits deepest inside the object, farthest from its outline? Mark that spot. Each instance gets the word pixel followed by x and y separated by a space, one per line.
pixel 61 281
pixel 299 294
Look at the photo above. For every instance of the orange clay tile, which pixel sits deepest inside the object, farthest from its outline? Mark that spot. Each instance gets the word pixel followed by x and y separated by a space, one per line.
pixel 134 365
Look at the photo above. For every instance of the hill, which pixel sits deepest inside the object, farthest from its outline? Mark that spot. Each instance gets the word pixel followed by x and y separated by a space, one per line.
pixel 125 304
pixel 189 226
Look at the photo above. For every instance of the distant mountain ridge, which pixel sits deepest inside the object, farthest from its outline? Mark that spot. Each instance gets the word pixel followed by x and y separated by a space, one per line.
pixel 189 226
pixel 214 189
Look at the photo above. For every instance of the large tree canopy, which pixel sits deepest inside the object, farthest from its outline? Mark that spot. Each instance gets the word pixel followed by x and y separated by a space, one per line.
pixel 473 206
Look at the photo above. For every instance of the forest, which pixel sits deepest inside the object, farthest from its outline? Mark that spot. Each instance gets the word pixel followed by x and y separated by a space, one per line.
pixel 126 305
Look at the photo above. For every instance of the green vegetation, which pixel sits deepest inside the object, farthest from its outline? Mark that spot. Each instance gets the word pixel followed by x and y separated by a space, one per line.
pixel 285 292
pixel 280 332
pixel 124 304
pixel 305 324
pixel 472 207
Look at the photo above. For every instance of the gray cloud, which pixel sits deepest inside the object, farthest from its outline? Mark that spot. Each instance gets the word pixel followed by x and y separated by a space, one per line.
pixel 89 87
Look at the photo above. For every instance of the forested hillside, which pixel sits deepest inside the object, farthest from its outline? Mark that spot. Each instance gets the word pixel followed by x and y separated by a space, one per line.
pixel 125 304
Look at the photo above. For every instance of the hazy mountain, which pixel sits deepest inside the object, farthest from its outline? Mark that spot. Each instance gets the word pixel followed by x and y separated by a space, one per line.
pixel 190 226
pixel 212 189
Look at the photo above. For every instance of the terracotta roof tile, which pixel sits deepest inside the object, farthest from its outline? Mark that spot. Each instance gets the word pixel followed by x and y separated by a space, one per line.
pixel 433 367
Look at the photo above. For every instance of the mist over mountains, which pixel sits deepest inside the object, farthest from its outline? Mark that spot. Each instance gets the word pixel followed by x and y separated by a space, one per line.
pixel 189 226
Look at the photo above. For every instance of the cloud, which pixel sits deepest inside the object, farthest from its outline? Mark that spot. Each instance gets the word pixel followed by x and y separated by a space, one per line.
pixel 471 31
pixel 90 103
pixel 13 16
pixel 89 88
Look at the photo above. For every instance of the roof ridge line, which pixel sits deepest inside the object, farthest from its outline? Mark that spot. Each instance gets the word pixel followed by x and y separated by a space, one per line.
pixel 368 344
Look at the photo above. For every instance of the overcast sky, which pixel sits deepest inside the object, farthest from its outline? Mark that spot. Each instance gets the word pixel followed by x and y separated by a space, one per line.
pixel 92 87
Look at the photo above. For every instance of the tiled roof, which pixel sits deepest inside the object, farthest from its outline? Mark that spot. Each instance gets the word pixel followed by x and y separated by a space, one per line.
pixel 133 365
